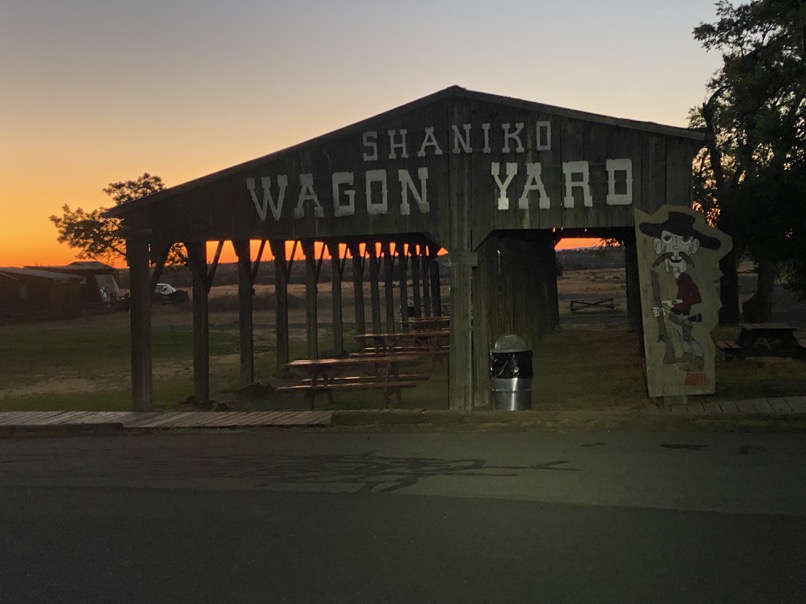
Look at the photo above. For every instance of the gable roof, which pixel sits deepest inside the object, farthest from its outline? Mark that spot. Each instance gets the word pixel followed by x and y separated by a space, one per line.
pixel 452 92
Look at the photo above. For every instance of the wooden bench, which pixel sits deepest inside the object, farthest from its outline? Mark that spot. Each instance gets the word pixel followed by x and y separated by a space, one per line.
pixel 350 383
pixel 729 348
pixel 592 303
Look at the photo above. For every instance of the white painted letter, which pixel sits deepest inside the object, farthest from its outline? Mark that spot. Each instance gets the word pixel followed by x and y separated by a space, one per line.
pixel 570 170
pixel 534 182
pixel 307 193
pixel 348 208
pixel 457 138
pixel 543 136
pixel 401 145
pixel 512 170
pixel 512 135
pixel 421 196
pixel 370 140
pixel 429 141
pixel 268 198
pixel 486 129
pixel 613 166
pixel 371 177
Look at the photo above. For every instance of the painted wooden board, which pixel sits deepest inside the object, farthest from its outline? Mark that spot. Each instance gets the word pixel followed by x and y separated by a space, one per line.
pixel 678 266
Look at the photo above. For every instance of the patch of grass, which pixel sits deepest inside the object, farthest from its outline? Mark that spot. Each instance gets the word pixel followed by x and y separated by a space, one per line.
pixel 596 367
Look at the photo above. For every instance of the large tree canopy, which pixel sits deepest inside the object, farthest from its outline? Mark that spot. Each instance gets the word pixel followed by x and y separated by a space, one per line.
pixel 750 176
pixel 97 237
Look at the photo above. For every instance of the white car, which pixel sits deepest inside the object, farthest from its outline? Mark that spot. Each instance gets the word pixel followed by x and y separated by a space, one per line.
pixel 164 289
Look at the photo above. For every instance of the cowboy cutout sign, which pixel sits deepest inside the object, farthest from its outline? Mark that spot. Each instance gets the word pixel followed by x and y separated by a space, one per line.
pixel 678 267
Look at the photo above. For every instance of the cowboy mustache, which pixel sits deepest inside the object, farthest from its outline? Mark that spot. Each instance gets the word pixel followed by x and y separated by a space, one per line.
pixel 668 255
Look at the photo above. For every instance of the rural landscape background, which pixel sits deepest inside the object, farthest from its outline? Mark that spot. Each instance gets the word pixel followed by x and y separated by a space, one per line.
pixel 83 364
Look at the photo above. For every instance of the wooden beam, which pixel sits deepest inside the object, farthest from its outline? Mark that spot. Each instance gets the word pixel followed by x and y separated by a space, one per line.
pixel 281 276
pixel 197 257
pixel 425 264
pixel 245 318
pixel 358 287
pixel 460 379
pixel 159 264
pixel 415 277
pixel 374 288
pixel 436 288
pixel 402 264
pixel 389 286
pixel 337 270
pixel 256 263
pixel 214 265
pixel 140 322
pixel 311 294
pixel 633 286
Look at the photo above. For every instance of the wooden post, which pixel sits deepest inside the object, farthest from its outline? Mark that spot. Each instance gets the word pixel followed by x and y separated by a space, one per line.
pixel 486 313
pixel 425 264
pixel 140 321
pixel 374 288
pixel 358 287
pixel 245 319
pixel 281 276
pixel 436 287
pixel 389 286
pixel 311 302
pixel 197 255
pixel 400 248
pixel 337 268
pixel 460 380
pixel 633 286
pixel 415 278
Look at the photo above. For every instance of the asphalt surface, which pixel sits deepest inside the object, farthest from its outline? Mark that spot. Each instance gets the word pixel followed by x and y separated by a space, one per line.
pixel 402 516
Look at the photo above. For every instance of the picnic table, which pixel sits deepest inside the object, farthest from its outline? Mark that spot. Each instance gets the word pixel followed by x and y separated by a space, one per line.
pixel 378 371
pixel 764 339
pixel 427 323
pixel 434 343
pixel 592 303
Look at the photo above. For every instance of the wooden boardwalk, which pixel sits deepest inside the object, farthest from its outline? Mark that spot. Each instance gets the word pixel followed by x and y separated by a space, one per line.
pixel 165 419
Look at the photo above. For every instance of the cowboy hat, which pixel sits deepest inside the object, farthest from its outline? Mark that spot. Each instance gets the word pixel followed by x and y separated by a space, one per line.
pixel 681 224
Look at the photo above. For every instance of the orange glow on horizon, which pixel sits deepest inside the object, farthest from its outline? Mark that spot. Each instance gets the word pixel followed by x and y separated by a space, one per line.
pixel 42 252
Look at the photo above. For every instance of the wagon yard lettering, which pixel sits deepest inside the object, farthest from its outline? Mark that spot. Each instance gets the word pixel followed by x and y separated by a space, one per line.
pixel 281 196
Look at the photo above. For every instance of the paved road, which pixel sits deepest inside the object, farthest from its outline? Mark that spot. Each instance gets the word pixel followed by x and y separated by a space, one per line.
pixel 404 517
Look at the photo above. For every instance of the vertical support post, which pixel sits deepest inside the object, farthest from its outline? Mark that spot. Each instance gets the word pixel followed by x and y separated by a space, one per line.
pixel 337 267
pixel 140 322
pixel 374 288
pixel 633 285
pixel 277 247
pixel 415 278
pixel 460 380
pixel 358 287
pixel 402 262
pixel 245 317
pixel 436 289
pixel 311 302
pixel 425 263
pixel 197 254
pixel 389 286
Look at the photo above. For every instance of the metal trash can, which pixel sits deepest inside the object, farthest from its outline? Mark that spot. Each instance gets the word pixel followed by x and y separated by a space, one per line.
pixel 511 374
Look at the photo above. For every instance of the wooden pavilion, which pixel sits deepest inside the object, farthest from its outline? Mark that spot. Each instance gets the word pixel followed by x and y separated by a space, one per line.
pixel 494 181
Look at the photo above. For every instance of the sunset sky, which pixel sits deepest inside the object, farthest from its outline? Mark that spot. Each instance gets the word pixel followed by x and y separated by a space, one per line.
pixel 96 91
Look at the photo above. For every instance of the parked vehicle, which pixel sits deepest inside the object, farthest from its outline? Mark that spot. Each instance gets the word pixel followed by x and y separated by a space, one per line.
pixel 165 293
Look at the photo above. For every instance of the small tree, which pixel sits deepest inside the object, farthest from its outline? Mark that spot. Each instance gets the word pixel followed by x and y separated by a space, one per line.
pixel 98 237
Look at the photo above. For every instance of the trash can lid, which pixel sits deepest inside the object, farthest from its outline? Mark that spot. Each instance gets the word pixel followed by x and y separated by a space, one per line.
pixel 510 343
